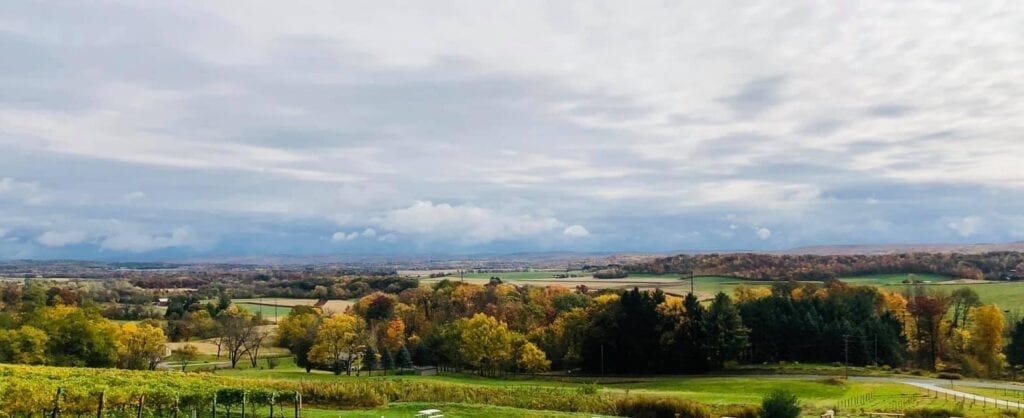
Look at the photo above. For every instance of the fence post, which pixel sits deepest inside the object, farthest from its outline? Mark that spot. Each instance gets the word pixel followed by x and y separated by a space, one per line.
pixel 142 402
pixel 214 414
pixel 56 402
pixel 243 404
pixel 99 409
pixel 298 404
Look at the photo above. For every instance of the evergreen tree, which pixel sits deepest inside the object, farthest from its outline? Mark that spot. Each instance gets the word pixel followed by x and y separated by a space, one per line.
pixel 369 358
pixel 386 361
pixel 725 336
pixel 403 359
pixel 421 355
pixel 690 337
pixel 1015 351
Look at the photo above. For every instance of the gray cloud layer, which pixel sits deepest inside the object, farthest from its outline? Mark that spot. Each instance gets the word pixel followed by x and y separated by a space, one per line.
pixel 151 130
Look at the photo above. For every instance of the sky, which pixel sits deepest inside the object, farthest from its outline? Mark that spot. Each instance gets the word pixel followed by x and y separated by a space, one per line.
pixel 173 130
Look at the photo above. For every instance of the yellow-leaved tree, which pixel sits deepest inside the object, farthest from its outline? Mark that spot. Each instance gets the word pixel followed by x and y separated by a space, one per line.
pixel 140 347
pixel 532 359
pixel 340 339
pixel 987 338
pixel 486 343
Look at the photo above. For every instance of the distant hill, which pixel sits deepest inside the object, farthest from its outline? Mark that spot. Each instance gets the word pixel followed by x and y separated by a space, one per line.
pixel 872 249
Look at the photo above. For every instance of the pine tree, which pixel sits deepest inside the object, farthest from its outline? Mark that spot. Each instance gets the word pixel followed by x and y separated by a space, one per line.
pixel 369 359
pixel 403 359
pixel 386 361
pixel 1015 351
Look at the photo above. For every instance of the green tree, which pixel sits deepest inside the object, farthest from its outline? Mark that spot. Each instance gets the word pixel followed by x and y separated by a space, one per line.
pixel 386 361
pixel 297 333
pixel 25 345
pixel 780 403
pixel 1015 350
pixel 369 359
pixel 725 336
pixel 403 359
pixel 185 355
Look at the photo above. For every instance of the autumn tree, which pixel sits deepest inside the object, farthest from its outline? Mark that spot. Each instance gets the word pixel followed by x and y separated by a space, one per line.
pixel 486 343
pixel 961 302
pixel 140 347
pixel 338 341
pixel 185 354
pixel 928 313
pixel 394 334
pixel 25 345
pixel 297 332
pixel 532 359
pixel 987 337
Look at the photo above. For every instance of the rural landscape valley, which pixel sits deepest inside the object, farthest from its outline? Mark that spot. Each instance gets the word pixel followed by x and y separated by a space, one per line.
pixel 854 335
pixel 504 209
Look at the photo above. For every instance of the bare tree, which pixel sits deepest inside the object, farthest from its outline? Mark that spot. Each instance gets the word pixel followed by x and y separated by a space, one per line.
pixel 255 343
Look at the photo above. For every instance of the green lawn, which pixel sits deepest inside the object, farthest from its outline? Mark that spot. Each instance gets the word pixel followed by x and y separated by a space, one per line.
pixel 268 312
pixel 894 279
pixel 403 409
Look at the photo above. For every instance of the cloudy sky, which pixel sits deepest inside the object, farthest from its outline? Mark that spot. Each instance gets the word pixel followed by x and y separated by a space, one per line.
pixel 164 130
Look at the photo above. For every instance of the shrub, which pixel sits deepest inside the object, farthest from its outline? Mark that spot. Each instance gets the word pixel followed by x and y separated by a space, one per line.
pixel 647 407
pixel 610 273
pixel 780 403
pixel 950 376
pixel 933 413
pixel 742 411
pixel 835 380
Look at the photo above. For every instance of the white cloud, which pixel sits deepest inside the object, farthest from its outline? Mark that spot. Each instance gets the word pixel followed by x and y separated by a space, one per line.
pixel 575 231
pixel 62 238
pixel 341 236
pixel 763 233
pixel 27 192
pixel 967 226
pixel 134 196
pixel 137 241
pixel 466 223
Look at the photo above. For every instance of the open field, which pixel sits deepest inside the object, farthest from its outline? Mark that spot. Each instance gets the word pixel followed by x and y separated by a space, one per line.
pixel 266 306
pixel 854 398
pixel 1005 294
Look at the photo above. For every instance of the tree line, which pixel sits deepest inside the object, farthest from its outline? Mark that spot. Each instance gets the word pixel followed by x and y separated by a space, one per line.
pixel 501 328
pixel 991 265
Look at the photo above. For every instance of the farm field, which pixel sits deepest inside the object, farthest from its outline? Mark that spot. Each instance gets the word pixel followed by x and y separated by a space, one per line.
pixel 272 313
pixel 266 306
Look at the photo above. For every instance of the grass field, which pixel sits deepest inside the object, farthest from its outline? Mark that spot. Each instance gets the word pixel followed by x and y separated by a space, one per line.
pixel 854 398
pixel 268 312
pixel 403 409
